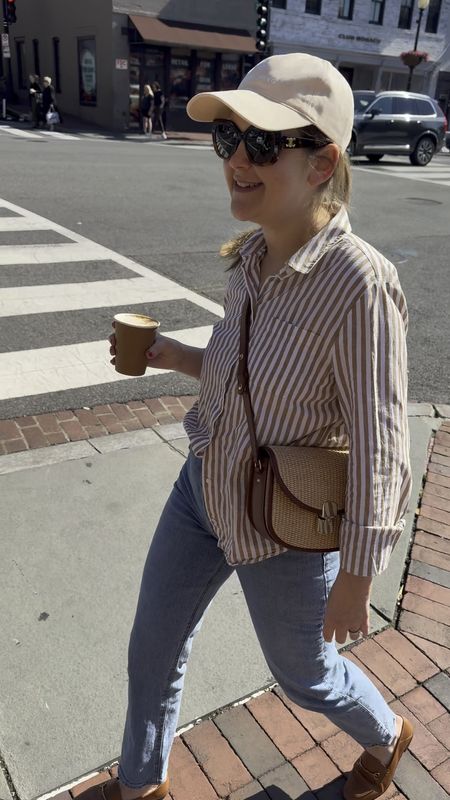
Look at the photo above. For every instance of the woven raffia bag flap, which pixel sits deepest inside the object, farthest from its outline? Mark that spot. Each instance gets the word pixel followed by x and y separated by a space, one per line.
pixel 304 496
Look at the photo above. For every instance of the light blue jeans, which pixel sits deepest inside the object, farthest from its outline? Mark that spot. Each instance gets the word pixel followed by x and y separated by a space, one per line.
pixel 286 596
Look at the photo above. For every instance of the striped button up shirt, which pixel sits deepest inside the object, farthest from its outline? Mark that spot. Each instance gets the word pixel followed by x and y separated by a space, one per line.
pixel 327 366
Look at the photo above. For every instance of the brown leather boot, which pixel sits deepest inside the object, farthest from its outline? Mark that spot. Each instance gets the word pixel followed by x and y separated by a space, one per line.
pixel 110 790
pixel 370 778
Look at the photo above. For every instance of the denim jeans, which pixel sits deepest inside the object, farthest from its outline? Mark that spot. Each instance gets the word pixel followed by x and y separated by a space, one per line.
pixel 286 596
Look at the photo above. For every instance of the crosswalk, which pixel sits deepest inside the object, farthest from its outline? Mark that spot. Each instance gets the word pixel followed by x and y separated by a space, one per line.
pixel 437 172
pixel 44 135
pixel 23 133
pixel 57 300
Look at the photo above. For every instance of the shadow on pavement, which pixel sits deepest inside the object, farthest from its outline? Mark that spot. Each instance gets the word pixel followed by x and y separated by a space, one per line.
pixel 330 791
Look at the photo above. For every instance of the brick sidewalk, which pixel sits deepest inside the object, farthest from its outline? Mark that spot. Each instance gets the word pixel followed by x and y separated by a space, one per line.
pixel 44 430
pixel 266 748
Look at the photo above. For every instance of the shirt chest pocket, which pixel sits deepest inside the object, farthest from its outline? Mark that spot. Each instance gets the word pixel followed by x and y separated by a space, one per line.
pixel 283 359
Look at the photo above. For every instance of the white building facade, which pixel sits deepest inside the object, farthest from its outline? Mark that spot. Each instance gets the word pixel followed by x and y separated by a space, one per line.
pixel 364 39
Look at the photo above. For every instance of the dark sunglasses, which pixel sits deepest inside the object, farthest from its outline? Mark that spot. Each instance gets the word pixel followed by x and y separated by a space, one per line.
pixel 262 147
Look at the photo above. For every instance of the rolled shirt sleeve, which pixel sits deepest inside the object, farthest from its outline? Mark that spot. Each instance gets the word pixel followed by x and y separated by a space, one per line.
pixel 370 369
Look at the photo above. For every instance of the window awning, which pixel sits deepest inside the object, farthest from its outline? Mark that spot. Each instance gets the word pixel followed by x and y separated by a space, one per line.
pixel 155 30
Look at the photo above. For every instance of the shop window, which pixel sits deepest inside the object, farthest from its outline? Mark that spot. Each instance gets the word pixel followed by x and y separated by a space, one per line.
pixel 56 64
pixel 87 71
pixel 204 72
pixel 135 87
pixel 20 57
pixel 406 12
pixel 154 66
pixel 180 78
pixel 434 11
pixel 279 4
pixel 37 64
pixel 230 71
pixel 377 12
pixel 313 7
pixel 346 9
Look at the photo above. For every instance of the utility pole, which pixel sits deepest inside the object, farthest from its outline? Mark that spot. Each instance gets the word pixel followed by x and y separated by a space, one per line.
pixel 6 53
pixel 423 5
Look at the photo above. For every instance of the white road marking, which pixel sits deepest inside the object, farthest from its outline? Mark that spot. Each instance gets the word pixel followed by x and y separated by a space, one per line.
pixel 49 369
pixel 53 369
pixel 86 250
pixel 17 132
pixel 438 172
pixel 24 224
pixel 17 301
pixel 60 135
pixel 184 146
pixel 49 253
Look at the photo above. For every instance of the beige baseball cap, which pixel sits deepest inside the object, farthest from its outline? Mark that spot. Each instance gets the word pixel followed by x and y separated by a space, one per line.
pixel 283 92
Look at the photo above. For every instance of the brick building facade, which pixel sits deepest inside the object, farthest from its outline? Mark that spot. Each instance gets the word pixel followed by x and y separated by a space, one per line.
pixel 364 39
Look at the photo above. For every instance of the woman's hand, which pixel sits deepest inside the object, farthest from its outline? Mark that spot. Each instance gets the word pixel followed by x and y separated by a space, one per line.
pixel 165 353
pixel 347 608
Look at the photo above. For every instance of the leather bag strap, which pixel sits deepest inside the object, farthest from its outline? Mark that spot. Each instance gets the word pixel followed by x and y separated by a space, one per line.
pixel 243 378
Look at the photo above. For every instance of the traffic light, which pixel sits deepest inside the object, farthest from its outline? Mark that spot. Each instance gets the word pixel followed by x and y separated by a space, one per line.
pixel 11 16
pixel 262 26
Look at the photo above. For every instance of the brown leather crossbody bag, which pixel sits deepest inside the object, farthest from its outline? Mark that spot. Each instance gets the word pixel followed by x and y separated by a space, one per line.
pixel 295 494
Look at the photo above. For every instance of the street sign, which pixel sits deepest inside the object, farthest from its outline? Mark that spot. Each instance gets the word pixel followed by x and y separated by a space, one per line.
pixel 121 63
pixel 5 46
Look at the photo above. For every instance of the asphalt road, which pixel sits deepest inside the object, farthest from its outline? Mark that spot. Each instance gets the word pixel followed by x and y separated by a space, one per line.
pixel 167 208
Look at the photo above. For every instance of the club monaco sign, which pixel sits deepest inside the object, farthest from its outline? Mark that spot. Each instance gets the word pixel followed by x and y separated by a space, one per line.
pixel 366 39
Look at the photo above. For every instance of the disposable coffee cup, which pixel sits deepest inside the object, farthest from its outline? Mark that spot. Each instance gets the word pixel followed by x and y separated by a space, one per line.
pixel 135 333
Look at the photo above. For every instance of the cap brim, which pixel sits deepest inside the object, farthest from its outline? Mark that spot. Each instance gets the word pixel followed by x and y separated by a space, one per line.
pixel 255 109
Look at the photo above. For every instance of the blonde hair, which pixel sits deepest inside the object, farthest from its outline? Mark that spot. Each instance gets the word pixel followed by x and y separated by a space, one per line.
pixel 147 86
pixel 330 196
pixel 47 79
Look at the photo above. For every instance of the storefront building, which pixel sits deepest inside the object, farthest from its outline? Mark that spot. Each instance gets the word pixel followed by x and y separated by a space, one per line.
pixel 183 61
pixel 101 54
pixel 364 39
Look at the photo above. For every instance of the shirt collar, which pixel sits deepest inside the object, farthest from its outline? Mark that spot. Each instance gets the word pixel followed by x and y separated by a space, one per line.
pixel 307 256
pixel 254 246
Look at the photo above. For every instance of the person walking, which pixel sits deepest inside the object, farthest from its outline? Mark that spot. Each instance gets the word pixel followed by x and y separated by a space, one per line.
pixel 327 368
pixel 158 107
pixel 147 101
pixel 49 102
pixel 35 100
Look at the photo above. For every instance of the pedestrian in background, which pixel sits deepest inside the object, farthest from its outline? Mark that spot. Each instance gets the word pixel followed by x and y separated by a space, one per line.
pixel 147 101
pixel 35 101
pixel 327 369
pixel 158 108
pixel 49 103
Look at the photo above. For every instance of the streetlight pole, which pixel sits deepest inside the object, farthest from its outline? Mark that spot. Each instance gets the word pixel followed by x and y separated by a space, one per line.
pixel 423 5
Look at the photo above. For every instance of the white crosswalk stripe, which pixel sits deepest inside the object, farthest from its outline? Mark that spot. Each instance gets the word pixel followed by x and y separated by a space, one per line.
pixel 22 134
pixel 45 369
pixel 79 136
pixel 62 136
pixel 437 172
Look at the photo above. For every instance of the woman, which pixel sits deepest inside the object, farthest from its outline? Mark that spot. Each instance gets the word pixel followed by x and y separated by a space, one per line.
pixel 48 100
pixel 327 367
pixel 147 109
pixel 158 108
pixel 35 100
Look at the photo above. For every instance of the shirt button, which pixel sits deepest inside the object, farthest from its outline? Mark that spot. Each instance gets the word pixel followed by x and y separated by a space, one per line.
pixel 208 480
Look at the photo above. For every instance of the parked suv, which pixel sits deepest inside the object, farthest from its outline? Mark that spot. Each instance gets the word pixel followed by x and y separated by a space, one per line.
pixel 399 123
